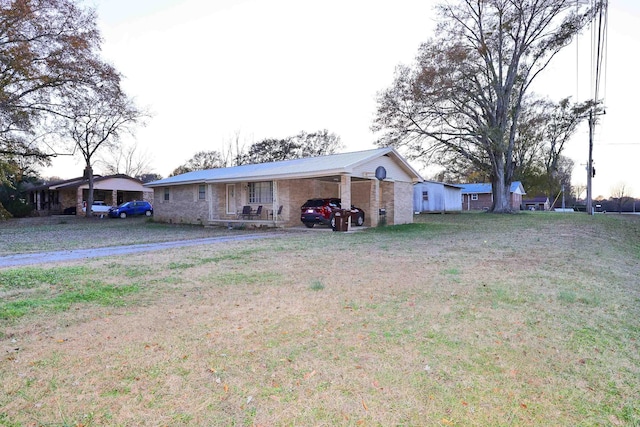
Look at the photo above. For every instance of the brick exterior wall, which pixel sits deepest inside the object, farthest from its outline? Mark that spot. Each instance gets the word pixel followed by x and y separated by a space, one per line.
pixel 403 203
pixel 486 200
pixel 184 206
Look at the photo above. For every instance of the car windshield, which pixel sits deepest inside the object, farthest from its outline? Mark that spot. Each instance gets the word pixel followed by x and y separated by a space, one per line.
pixel 123 204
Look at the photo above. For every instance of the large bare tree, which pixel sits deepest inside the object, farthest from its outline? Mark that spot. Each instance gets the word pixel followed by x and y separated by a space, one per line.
pixel 620 195
pixel 464 96
pixel 127 159
pixel 95 118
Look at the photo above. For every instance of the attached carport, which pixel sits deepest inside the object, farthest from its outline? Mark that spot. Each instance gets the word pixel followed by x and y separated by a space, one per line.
pixel 374 180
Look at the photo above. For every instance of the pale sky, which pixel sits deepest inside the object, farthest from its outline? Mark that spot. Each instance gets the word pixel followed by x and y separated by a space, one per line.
pixel 210 69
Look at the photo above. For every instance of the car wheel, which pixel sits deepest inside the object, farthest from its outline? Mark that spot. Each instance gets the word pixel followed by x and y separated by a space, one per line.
pixel 148 213
pixel 309 224
pixel 123 215
pixel 360 220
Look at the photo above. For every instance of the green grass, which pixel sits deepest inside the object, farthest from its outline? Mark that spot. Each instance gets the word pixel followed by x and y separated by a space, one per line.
pixel 64 299
pixel 457 320
pixel 30 277
pixel 316 285
pixel 33 290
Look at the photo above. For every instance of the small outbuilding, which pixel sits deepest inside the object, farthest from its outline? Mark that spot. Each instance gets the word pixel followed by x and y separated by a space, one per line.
pixel 540 203
pixel 478 196
pixel 378 181
pixel 438 197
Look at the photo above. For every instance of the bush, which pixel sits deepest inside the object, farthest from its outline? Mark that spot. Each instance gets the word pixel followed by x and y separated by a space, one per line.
pixel 4 214
pixel 17 208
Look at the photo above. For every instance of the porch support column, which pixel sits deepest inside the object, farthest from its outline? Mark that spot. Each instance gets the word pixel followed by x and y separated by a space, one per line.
pixel 79 201
pixel 374 215
pixel 210 200
pixel 345 194
pixel 276 204
pixel 114 197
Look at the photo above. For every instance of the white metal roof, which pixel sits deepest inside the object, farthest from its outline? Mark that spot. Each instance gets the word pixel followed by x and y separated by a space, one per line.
pixel 310 167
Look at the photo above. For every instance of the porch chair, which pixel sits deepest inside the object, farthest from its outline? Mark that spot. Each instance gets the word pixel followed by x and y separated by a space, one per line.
pixel 246 212
pixel 276 215
pixel 258 213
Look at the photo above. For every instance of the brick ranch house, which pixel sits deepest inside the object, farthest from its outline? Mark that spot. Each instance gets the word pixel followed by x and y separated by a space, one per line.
pixel 217 196
pixel 56 197
pixel 478 196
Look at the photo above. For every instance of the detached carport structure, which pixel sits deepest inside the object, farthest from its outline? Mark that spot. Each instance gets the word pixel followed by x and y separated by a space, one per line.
pixel 378 181
pixel 55 197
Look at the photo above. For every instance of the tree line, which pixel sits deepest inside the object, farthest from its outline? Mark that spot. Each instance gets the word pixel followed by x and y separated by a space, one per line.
pixel 302 145
pixel 465 104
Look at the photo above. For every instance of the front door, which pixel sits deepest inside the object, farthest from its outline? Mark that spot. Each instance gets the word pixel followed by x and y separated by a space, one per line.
pixel 231 199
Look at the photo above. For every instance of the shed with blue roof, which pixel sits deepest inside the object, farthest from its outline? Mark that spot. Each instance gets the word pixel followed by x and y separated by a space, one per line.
pixel 478 196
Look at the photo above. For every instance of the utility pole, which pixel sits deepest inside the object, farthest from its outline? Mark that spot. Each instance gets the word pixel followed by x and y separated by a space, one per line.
pixel 589 205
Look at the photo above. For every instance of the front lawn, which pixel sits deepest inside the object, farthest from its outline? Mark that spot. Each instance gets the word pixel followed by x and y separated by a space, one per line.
pixel 470 319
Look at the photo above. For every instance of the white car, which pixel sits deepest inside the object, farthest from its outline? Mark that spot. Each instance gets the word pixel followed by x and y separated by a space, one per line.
pixel 98 207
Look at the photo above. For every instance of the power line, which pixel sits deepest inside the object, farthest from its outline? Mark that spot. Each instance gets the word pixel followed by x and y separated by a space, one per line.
pixel 598 56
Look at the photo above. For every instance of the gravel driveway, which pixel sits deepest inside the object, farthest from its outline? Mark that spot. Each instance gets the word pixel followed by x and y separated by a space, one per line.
pixel 61 256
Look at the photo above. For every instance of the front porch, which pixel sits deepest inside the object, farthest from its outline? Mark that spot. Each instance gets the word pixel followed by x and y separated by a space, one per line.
pixel 244 223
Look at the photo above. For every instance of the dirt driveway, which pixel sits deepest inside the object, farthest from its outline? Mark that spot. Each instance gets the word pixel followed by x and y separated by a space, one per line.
pixel 70 255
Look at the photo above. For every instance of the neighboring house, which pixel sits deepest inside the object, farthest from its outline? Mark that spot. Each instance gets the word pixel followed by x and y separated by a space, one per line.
pixel 217 196
pixel 432 196
pixel 60 196
pixel 540 203
pixel 478 196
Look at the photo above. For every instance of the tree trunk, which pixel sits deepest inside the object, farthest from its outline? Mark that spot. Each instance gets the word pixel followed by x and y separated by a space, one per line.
pixel 89 174
pixel 500 191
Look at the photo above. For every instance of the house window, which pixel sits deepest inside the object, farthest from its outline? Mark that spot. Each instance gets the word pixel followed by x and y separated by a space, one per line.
pixel 166 194
pixel 201 192
pixel 261 192
pixel 474 197
pixel 425 196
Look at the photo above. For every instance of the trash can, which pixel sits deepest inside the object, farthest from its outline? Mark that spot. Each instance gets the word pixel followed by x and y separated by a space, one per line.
pixel 341 220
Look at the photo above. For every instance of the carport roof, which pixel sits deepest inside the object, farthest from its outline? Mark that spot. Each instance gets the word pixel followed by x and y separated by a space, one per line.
pixel 77 182
pixel 310 167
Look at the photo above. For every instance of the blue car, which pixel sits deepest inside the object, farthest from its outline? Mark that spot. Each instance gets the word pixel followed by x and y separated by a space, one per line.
pixel 131 208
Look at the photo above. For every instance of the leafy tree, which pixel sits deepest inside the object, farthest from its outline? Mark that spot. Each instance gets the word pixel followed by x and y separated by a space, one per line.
pixel 302 145
pixel 319 143
pixel 544 129
pixel 200 161
pixel 149 177
pixel 47 48
pixel 464 97
pixel 271 150
pixel 49 54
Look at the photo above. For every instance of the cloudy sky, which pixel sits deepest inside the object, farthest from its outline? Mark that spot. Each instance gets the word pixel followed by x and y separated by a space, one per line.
pixel 210 70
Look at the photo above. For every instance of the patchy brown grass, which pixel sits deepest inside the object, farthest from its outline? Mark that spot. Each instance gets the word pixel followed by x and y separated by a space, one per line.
pixel 459 320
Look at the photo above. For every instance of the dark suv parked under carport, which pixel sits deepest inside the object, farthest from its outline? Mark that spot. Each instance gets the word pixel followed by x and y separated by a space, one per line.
pixel 322 211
